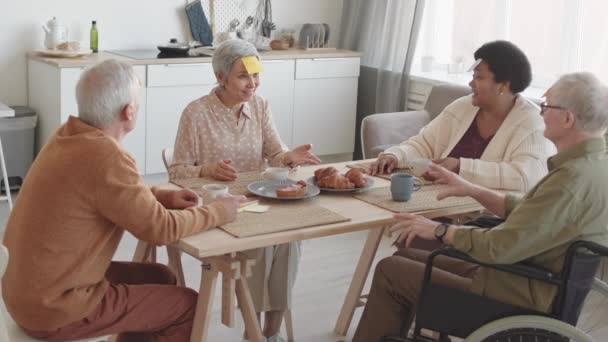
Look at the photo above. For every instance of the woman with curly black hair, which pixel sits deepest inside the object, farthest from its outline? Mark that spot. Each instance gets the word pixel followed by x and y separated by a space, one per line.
pixel 492 137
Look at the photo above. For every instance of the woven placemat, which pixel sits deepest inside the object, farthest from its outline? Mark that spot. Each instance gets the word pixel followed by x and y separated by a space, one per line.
pixel 236 187
pixel 423 199
pixel 283 215
pixel 366 165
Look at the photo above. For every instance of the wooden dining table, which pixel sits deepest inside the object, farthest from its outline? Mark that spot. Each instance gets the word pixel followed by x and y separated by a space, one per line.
pixel 218 252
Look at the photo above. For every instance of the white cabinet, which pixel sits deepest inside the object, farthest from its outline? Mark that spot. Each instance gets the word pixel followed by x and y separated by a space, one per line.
pixel 171 87
pixel 325 104
pixel 313 100
pixel 276 85
pixel 52 93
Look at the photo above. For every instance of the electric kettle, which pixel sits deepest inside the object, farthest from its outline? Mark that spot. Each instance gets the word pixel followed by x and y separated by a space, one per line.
pixel 56 33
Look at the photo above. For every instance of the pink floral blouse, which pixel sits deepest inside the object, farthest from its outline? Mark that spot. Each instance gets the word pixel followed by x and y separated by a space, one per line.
pixel 209 132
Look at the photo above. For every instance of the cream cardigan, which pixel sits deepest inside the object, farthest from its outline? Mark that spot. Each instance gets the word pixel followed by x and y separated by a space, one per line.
pixel 515 158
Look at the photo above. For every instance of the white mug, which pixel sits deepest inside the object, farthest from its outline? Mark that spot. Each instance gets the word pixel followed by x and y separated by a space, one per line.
pixel 275 173
pixel 213 191
pixel 420 166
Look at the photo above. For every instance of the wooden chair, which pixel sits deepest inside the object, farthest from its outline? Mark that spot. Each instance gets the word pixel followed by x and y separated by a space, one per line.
pixel 9 330
pixel 7 187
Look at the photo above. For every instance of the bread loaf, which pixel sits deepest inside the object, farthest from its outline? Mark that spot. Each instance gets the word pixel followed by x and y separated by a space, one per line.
pixel 335 182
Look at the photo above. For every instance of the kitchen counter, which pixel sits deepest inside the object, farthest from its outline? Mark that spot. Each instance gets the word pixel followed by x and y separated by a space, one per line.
pixel 266 55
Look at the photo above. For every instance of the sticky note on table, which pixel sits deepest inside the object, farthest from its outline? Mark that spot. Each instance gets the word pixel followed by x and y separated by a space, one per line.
pixel 258 208
pixel 252 64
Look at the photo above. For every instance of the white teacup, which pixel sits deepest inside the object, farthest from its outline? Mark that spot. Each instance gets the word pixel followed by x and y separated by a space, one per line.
pixel 420 166
pixel 213 191
pixel 275 173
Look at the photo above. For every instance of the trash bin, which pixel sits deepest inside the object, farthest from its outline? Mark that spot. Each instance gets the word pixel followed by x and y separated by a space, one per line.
pixel 18 142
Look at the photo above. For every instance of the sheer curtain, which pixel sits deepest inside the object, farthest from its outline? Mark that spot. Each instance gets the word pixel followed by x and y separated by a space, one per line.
pixel 385 31
pixel 558 36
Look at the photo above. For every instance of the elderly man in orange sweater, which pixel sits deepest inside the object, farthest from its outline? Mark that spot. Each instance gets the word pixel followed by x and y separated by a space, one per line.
pixel 82 192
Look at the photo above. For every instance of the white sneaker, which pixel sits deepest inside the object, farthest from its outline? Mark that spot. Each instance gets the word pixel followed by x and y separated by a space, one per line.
pixel 276 338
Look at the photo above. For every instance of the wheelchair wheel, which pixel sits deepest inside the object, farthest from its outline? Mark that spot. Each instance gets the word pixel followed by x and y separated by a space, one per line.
pixel 528 328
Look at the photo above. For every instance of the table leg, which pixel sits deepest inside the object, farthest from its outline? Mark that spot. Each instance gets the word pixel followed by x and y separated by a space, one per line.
pixel 175 264
pixel 289 325
pixel 204 303
pixel 247 310
pixel 353 295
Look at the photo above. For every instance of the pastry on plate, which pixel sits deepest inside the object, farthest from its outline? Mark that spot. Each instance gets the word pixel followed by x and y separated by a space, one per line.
pixel 299 189
pixel 356 177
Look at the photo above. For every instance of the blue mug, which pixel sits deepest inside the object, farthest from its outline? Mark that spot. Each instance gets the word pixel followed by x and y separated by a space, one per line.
pixel 403 185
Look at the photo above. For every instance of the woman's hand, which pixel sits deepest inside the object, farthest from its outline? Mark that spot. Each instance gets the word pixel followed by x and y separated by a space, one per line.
pixel 456 185
pixel 452 164
pixel 385 163
pixel 299 156
pixel 411 226
pixel 222 170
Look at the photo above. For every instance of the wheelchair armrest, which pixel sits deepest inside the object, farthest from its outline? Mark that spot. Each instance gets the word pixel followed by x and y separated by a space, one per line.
pixel 523 269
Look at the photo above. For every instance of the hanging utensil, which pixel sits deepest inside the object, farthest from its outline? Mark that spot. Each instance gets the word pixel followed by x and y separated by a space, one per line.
pixel 267 24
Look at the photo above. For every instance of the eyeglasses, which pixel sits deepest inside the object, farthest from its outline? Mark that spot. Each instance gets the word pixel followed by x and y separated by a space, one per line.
pixel 544 107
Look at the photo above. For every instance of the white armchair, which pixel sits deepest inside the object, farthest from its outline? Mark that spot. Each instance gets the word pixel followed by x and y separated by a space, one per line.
pixel 381 131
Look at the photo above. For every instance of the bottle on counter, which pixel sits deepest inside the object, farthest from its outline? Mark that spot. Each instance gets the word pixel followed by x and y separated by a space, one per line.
pixel 94 37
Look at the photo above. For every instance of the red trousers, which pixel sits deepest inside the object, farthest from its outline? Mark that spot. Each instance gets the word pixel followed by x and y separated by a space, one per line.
pixel 142 304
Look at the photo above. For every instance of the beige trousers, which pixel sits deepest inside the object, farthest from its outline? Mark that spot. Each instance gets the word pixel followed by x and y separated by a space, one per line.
pixel 391 304
pixel 273 276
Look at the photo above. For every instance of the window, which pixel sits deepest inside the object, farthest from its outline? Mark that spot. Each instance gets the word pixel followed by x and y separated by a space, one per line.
pixel 558 36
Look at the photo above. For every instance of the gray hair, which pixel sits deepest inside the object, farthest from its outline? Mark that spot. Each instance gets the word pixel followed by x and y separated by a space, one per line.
pixel 104 90
pixel 586 97
pixel 228 52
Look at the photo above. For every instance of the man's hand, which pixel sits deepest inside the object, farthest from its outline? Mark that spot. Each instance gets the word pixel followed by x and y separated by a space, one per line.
pixel 231 205
pixel 299 156
pixel 456 185
pixel 411 226
pixel 181 199
pixel 385 163
pixel 223 170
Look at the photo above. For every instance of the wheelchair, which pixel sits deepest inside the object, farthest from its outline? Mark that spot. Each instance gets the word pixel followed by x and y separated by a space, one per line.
pixel 453 312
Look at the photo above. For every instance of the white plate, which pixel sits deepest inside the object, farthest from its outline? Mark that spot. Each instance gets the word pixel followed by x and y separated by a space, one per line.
pixel 268 189
pixel 369 182
pixel 64 53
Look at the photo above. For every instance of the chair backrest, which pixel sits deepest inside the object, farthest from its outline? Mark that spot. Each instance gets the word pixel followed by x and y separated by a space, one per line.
pixel 167 157
pixel 3 264
pixel 442 95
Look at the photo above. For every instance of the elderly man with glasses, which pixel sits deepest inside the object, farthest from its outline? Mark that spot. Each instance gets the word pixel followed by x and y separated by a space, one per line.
pixel 565 206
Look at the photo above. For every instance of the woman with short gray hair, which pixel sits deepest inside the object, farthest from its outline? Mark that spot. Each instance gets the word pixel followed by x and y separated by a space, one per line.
pixel 231 130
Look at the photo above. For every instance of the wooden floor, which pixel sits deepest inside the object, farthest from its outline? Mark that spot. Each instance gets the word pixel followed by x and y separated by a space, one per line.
pixel 325 271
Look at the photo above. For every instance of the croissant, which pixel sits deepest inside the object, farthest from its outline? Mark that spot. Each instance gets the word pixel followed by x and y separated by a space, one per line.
pixel 335 182
pixel 325 172
pixel 356 177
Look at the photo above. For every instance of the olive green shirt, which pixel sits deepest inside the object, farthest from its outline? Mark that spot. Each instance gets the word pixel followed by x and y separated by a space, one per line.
pixel 568 204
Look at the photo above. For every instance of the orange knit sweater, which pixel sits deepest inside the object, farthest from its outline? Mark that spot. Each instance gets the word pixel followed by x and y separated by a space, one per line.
pixel 81 193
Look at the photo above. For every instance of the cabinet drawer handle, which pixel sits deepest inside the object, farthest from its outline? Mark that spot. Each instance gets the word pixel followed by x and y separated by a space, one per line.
pixel 274 61
pixel 329 59
pixel 187 65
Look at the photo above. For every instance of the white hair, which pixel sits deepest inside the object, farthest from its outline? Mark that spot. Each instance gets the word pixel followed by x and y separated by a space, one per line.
pixel 586 97
pixel 104 90
pixel 228 52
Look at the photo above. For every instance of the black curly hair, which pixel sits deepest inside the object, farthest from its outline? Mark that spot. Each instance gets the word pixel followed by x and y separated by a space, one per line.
pixel 507 62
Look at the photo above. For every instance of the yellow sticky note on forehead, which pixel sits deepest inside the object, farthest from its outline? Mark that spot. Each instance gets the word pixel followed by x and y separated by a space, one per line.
pixel 252 64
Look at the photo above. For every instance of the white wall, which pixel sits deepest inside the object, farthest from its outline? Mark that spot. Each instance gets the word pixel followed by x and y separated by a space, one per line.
pixel 122 24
